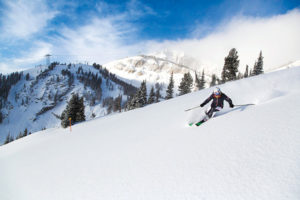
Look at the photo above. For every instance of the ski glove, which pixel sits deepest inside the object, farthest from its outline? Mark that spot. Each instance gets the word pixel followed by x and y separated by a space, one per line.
pixel 202 104
pixel 231 105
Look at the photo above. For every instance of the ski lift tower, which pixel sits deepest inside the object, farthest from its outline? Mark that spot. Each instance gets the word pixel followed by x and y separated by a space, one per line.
pixel 47 59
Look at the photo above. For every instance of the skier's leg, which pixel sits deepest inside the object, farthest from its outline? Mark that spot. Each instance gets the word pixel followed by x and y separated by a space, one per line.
pixel 209 113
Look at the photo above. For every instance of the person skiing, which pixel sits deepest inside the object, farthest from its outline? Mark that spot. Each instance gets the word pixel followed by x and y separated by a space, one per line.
pixel 217 104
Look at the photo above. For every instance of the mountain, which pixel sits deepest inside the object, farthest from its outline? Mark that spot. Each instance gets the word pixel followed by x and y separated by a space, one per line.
pixel 36 100
pixel 154 68
pixel 151 153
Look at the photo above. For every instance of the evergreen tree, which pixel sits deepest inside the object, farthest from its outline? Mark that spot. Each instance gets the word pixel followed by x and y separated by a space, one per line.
pixel 200 83
pixel 74 110
pixel 129 102
pixel 80 116
pixel 197 81
pixel 1 117
pixel 258 66
pixel 157 95
pixel 213 80
pixel 143 101
pixel 140 98
pixel 9 139
pixel 151 98
pixel 27 77
pixel 25 132
pixel 170 89
pixel 186 84
pixel 246 74
pixel 231 65
pixel 118 104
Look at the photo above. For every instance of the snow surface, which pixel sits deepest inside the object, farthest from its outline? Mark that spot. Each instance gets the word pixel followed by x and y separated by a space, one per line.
pixel 150 153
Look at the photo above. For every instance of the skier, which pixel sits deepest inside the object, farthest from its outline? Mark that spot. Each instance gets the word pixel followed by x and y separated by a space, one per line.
pixel 217 104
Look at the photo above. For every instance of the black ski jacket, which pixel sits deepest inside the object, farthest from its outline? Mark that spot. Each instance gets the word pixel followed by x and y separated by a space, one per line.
pixel 217 101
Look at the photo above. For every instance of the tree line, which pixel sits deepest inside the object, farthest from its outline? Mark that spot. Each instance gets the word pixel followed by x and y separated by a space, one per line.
pixel 9 138
pixel 230 72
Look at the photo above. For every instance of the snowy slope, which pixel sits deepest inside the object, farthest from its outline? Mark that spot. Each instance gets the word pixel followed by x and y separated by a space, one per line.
pixel 31 103
pixel 150 153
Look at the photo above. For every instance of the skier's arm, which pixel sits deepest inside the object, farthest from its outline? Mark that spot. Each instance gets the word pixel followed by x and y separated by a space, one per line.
pixel 228 100
pixel 207 100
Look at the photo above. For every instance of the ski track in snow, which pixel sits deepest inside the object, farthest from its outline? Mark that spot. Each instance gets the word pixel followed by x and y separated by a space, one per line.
pixel 151 153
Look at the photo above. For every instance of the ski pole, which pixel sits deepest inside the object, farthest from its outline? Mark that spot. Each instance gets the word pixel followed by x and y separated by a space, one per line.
pixel 249 104
pixel 192 108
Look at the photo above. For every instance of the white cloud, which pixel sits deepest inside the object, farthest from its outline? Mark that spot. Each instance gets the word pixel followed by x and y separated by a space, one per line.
pixel 137 9
pixel 28 59
pixel 277 37
pixel 100 41
pixel 21 19
pixel 105 39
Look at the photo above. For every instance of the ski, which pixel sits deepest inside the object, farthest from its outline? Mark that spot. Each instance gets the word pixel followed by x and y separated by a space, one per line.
pixel 197 124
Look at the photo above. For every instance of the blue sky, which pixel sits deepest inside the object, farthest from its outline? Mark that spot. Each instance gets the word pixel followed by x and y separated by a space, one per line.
pixel 102 31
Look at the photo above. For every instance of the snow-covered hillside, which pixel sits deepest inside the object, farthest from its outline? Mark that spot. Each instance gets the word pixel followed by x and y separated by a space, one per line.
pixel 42 94
pixel 150 153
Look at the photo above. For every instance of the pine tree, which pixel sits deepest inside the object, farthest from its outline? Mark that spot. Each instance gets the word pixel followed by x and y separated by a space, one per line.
pixel 170 89
pixel 197 81
pixel 27 77
pixel 129 102
pixel 143 100
pixel 25 133
pixel 19 136
pixel 80 116
pixel 213 80
pixel 200 83
pixel 231 65
pixel 74 110
pixel 157 95
pixel 117 104
pixel 9 139
pixel 258 66
pixel 141 97
pixel 186 84
pixel 246 74
pixel 151 98
pixel 1 117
